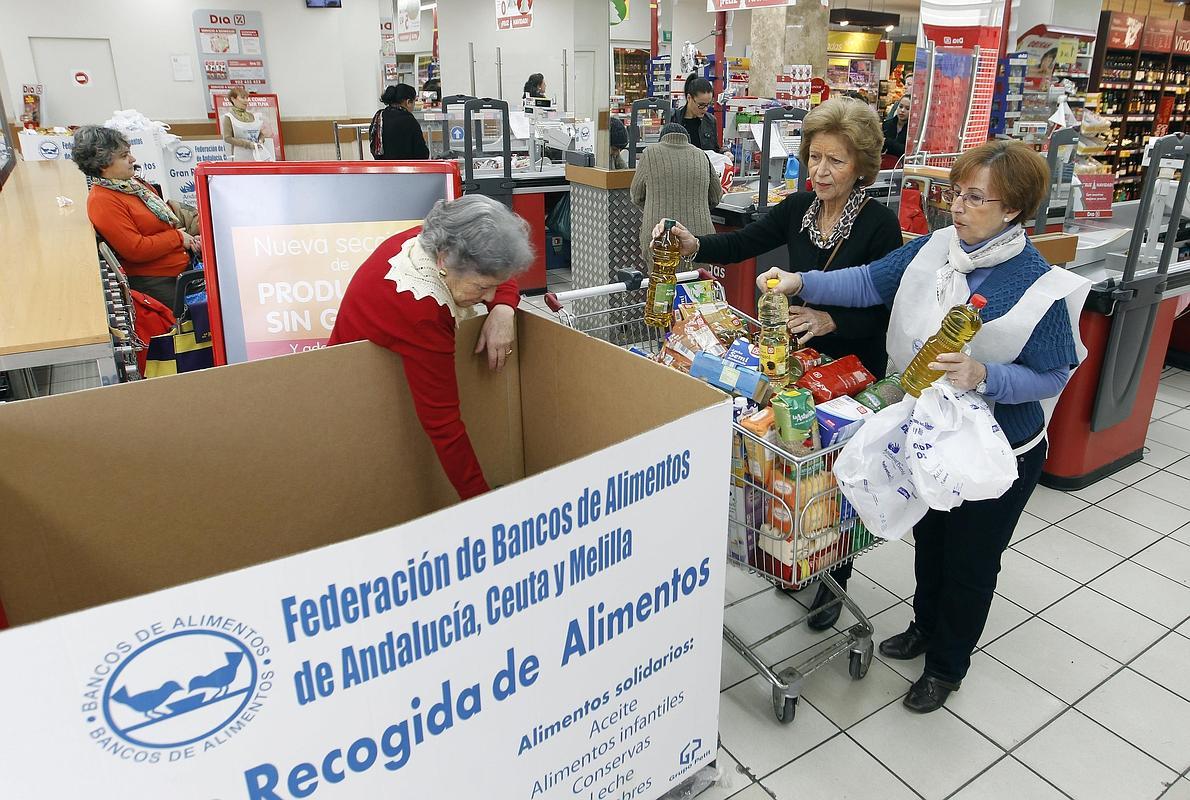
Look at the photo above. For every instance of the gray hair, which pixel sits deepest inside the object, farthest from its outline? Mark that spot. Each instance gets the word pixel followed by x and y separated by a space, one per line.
pixel 674 127
pixel 478 234
pixel 95 148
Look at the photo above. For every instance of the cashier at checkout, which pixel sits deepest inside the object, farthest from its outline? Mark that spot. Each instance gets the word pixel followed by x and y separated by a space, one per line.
pixel 700 125
pixel 410 295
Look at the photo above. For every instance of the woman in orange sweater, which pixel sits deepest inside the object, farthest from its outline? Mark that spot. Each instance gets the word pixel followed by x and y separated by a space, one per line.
pixel 130 215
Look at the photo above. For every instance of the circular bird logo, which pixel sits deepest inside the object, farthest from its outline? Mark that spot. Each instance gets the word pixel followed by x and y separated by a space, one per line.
pixel 179 689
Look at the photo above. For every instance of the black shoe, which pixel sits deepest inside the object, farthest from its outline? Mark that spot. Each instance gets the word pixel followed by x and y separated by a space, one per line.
pixel 928 694
pixel 905 646
pixel 821 619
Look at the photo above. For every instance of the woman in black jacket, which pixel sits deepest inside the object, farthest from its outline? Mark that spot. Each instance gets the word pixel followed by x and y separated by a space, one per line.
pixel 833 227
pixel 401 138
pixel 693 116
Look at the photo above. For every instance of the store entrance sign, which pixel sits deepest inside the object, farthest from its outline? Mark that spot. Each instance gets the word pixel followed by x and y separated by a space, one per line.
pixel 514 14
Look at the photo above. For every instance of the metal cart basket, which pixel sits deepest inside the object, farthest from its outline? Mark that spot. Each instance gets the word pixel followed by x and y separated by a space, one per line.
pixel 788 521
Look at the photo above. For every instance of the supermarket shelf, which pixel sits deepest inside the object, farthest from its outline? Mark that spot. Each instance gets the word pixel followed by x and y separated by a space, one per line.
pixel 1130 179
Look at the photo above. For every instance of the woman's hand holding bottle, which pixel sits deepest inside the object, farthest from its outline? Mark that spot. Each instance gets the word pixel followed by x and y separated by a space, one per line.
pixel 687 241
pixel 789 282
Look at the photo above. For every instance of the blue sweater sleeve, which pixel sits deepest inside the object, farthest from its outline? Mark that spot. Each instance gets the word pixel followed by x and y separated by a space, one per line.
pixel 870 285
pixel 851 287
pixel 1015 383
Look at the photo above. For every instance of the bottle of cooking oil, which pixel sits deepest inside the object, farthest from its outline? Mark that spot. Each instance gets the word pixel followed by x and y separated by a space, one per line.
pixel 773 342
pixel 959 326
pixel 663 280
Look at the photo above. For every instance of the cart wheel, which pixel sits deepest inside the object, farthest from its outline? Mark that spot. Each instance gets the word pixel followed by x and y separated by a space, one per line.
pixel 784 707
pixel 859 663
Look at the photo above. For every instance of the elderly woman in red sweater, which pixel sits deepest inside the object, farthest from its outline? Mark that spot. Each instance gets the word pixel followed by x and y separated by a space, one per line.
pixel 130 215
pixel 411 293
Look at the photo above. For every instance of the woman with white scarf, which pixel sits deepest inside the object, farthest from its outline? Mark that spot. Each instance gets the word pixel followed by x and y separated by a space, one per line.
pixel 1020 361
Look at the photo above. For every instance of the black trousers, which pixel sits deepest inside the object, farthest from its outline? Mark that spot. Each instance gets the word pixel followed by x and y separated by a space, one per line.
pixel 161 289
pixel 957 560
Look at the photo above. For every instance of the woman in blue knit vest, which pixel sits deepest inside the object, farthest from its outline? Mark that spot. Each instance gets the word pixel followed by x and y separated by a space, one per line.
pixel 1020 361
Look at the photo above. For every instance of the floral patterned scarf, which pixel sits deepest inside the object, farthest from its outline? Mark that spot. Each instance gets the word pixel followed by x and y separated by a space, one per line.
pixel 150 198
pixel 842 228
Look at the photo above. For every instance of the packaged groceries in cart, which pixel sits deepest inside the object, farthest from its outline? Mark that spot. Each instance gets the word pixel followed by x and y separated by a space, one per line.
pixel 788 520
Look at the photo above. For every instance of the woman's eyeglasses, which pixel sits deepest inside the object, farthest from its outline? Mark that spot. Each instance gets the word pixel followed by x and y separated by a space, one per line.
pixel 969 199
pixel 705 105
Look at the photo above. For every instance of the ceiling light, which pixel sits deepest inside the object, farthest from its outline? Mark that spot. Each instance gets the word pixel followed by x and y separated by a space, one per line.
pixel 844 22
pixel 889 28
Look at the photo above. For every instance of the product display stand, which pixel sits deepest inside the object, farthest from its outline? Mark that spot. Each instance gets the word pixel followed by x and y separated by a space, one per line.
pixel 1140 86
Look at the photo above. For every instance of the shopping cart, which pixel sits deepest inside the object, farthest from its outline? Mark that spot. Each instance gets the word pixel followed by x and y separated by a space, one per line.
pixel 788 521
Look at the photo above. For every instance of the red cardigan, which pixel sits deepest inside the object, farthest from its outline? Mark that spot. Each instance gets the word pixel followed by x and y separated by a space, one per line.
pixel 147 247
pixel 422 332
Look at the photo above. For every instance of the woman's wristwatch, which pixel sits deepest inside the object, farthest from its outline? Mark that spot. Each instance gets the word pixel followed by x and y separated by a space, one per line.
pixel 982 386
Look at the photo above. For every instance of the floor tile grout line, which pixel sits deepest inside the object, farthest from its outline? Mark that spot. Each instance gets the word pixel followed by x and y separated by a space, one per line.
pixel 1073 706
pixel 1007 757
pixel 1075 590
pixel 1174 770
pixel 838 732
pixel 1130 608
pixel 873 756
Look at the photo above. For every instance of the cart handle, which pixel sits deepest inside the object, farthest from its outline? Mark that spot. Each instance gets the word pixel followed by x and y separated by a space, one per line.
pixel 632 279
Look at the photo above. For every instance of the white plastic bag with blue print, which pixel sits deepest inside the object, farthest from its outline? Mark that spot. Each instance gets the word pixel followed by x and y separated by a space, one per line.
pixel 875 473
pixel 958 450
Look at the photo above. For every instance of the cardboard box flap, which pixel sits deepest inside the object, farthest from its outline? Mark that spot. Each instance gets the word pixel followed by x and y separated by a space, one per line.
pixel 112 493
pixel 117 492
pixel 595 393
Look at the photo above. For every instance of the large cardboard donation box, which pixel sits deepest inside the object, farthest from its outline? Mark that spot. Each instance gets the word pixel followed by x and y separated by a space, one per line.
pixel 255 582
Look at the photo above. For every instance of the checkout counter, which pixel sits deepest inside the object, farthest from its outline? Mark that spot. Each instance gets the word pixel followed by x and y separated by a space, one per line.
pixel 516 156
pixel 52 307
pixel 1140 283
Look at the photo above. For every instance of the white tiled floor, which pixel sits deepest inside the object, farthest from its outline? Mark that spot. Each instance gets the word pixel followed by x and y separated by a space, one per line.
pixel 1079 689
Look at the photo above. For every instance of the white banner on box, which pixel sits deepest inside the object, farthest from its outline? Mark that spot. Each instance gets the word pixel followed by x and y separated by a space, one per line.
pixel 45 147
pixel 181 159
pixel 514 14
pixel 231 50
pixel 558 638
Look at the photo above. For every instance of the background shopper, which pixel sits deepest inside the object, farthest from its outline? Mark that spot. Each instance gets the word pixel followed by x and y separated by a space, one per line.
pixel 830 228
pixel 409 295
pixel 535 86
pixel 244 130
pixel 131 216
pixel 1017 361
pixel 699 125
pixel 896 128
pixel 399 134
pixel 674 180
pixel 617 135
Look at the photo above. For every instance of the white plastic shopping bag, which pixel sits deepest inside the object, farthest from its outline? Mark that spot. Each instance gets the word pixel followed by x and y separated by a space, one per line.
pixel 875 474
pixel 959 451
